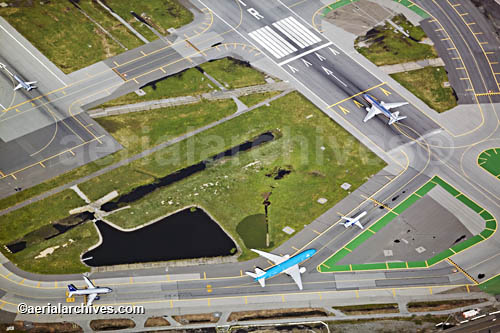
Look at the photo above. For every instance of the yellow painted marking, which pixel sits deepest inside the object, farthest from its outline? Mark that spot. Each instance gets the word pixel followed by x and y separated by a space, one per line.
pixel 241 272
pixel 144 54
pixel 371 230
pixel 467 287
pixel 461 270
pixel 135 80
pixel 55 284
pixel 494 62
pixel 386 92
pixel 464 14
pixel 464 78
pixel 481 236
pixel 483 43
pixel 246 300
pixel 43 166
pixel 434 20
pixel 344 110
pixel 486 153
pixel 208 299
pixel 451 48
pixel 439 29
pixel 457 4
pixel 131 280
pixel 316 231
pixel 116 64
pixel 430 290
pixel 453 251
pixel 460 68
pixel 469 89
pixel 320 296
pixel 22 282
pixel 393 292
pixel 406 262
pixel 347 249
pixel 386 265
pixel 296 249
pixel 456 58
pixel 38 285
pixel 171 304
pixel 350 267
pixel 13 176
pixel 358 104
pixel 418 195
pixel 64 93
pixel 357 293
pixel 2 305
pixel 162 70
pixel 283 298
pixel 361 92
pixel 70 299
pixel 426 264
pixel 204 275
pixel 326 265
pixel 447 38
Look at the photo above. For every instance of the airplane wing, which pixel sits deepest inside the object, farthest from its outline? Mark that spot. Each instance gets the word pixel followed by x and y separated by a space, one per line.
pixel 389 106
pixel 294 272
pixel 372 113
pixel 90 299
pixel 90 285
pixel 359 224
pixel 19 86
pixel 32 82
pixel 274 258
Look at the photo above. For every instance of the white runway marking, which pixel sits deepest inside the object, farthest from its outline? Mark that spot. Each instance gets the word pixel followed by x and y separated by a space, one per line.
pixel 272 42
pixel 305 53
pixel 24 47
pixel 3 107
pixel 299 34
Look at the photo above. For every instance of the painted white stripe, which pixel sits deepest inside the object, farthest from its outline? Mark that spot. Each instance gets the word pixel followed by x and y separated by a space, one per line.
pixel 3 107
pixel 304 54
pixel 255 36
pixel 303 29
pixel 57 77
pixel 279 25
pixel 298 33
pixel 289 48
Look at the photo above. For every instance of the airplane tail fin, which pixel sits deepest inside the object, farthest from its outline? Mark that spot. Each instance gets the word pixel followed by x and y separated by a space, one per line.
pixel 258 273
pixel 72 289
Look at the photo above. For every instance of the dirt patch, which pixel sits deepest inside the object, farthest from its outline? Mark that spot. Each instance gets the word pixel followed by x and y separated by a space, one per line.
pixel 461 289
pixel 196 318
pixel 156 321
pixel 44 327
pixel 368 309
pixel 111 324
pixel 277 314
pixel 441 305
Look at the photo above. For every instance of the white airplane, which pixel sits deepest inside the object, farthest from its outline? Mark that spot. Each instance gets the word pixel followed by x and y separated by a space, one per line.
pixel 283 264
pixel 353 220
pixel 92 291
pixel 382 107
pixel 22 84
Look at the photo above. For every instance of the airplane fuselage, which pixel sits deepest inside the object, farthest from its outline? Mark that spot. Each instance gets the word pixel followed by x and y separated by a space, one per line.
pixel 356 219
pixel 280 268
pixel 100 290
pixel 379 106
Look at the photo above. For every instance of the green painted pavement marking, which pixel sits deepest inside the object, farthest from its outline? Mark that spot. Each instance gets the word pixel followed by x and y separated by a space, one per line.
pixel 426 188
pixel 491 224
pixel 393 265
pixel 466 244
pixel 450 189
pixel 486 215
pixel 359 240
pixel 440 256
pixel 416 9
pixel 383 221
pixel 335 5
pixel 358 267
pixel 490 161
pixel 487 233
pixel 471 204
pixel 416 264
pixel 406 204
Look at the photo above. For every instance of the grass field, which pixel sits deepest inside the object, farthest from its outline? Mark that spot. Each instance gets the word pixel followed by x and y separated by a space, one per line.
pixel 427 85
pixel 316 172
pixel 491 286
pixel 228 71
pixel 490 161
pixel 252 99
pixel 71 41
pixel 252 230
pixel 387 47
pixel 161 14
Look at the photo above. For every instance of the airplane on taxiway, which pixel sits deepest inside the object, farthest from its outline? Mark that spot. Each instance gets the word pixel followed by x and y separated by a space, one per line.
pixel 353 220
pixel 21 83
pixel 382 107
pixel 92 291
pixel 283 264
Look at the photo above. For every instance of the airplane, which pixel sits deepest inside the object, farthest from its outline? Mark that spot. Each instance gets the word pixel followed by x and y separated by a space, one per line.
pixel 283 264
pixel 26 85
pixel 353 220
pixel 92 291
pixel 377 108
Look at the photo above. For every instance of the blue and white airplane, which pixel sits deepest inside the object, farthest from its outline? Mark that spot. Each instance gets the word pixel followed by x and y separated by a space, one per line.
pixel 22 84
pixel 283 264
pixel 382 107
pixel 353 220
pixel 92 291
